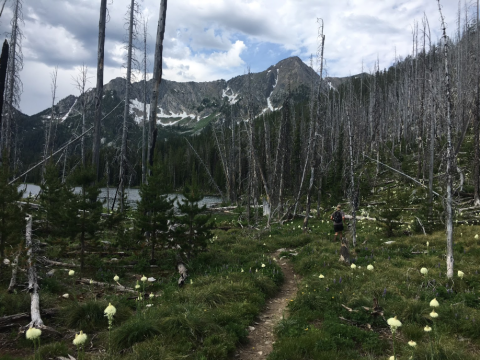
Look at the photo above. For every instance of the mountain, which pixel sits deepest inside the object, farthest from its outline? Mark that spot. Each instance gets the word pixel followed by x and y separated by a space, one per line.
pixel 188 102
pixel 190 106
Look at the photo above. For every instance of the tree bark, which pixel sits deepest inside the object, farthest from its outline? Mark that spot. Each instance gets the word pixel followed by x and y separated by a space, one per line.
pixel 13 279
pixel 157 77
pixel 99 89
pixel 126 112
pixel 33 287
pixel 450 160
pixel 3 76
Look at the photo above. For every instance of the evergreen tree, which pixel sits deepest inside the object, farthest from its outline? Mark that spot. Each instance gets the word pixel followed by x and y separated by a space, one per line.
pixel 195 226
pixel 53 198
pixel 84 209
pixel 12 220
pixel 154 210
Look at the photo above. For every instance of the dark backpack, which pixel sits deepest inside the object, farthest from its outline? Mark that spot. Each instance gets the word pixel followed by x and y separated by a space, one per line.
pixel 337 217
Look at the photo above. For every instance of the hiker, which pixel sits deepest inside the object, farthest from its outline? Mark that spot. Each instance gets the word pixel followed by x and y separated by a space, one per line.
pixel 338 217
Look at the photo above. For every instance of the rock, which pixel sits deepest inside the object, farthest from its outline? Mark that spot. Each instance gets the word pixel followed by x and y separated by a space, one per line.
pixel 251 328
pixel 50 273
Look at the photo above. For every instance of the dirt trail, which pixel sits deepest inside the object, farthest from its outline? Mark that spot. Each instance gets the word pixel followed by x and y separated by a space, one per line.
pixel 261 337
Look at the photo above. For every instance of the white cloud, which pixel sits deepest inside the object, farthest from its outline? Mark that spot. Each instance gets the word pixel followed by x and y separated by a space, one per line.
pixel 212 39
pixel 201 67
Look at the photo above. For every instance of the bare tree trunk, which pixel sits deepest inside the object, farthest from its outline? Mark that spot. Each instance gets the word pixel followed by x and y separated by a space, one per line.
pixel 126 112
pixel 3 76
pixel 99 89
pixel 476 122
pixel 12 95
pixel 313 140
pixel 450 160
pixel 48 128
pixel 33 287
pixel 352 182
pixel 157 75
pixel 144 128
pixel 13 279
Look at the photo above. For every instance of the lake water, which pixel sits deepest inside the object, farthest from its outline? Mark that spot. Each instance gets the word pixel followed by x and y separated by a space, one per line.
pixel 132 195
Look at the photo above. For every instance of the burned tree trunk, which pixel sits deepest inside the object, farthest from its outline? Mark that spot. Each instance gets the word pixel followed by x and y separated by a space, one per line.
pixel 126 113
pixel 450 159
pixel 3 75
pixel 99 89
pixel 157 77
pixel 33 287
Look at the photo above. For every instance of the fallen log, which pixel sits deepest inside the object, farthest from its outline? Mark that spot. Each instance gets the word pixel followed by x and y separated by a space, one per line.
pixel 10 320
pixel 44 260
pixel 106 285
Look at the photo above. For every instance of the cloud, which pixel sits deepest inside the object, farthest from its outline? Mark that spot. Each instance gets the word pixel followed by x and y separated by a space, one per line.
pixel 212 39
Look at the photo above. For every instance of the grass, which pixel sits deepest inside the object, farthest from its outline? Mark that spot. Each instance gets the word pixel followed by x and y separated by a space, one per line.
pixel 315 329
pixel 227 288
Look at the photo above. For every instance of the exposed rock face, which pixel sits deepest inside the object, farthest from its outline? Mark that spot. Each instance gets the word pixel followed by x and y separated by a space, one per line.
pixel 189 102
pixel 196 100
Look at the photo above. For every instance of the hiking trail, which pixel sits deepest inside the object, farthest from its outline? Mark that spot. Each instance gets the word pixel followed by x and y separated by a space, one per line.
pixel 261 333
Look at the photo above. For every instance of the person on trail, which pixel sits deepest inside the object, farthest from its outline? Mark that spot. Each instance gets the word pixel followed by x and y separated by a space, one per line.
pixel 338 217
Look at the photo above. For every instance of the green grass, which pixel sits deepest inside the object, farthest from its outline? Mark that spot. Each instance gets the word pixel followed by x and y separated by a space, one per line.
pixel 314 329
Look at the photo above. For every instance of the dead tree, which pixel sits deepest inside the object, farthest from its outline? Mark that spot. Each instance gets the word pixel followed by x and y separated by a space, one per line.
pixel 3 76
pixel 315 120
pixel 33 287
pixel 81 85
pixel 157 77
pixel 50 121
pixel 14 87
pixel 99 88
pixel 476 122
pixel 449 157
pixel 126 113
pixel 144 127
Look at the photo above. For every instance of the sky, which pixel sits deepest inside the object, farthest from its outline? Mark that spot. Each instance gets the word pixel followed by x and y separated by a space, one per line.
pixel 208 40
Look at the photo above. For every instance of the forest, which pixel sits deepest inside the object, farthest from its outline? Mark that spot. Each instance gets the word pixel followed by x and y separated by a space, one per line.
pixel 398 149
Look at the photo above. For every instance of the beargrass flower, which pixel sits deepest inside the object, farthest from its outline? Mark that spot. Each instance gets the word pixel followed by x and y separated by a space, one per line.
pixel 434 303
pixel 71 273
pixel 412 343
pixel 110 310
pixel 427 328
pixel 353 266
pixel 394 323
pixel 116 278
pixel 424 271
pixel 137 286
pixel 476 236
pixel 66 296
pixel 460 274
pixel 151 296
pixel 263 265
pixel 33 333
pixel 242 270
pixel 433 314
pixel 80 338
pixel 370 267
pixel 321 276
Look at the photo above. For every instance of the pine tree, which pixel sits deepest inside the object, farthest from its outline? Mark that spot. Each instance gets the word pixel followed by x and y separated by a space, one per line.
pixel 53 197
pixel 154 210
pixel 11 215
pixel 195 226
pixel 84 209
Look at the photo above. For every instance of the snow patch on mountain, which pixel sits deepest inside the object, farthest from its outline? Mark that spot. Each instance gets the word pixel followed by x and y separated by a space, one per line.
pixel 136 108
pixel 269 103
pixel 232 99
pixel 68 113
